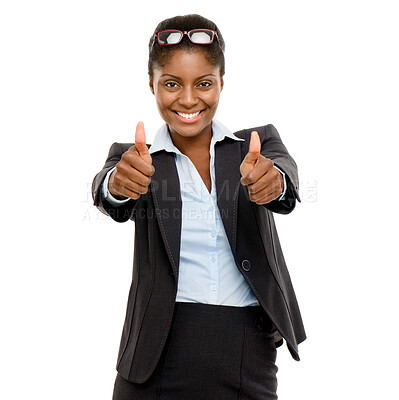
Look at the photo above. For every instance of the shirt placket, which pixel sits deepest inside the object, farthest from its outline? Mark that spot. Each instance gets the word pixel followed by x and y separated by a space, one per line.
pixel 213 234
pixel 213 253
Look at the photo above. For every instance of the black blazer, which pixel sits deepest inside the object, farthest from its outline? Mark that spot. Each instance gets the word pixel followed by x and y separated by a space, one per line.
pixel 250 230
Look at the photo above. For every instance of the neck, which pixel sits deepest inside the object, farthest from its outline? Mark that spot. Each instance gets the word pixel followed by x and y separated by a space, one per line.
pixel 193 145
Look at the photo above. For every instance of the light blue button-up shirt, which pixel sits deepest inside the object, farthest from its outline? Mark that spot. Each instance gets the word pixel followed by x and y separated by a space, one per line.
pixel 207 270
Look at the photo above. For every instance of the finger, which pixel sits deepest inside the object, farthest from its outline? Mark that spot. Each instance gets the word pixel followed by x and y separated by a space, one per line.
pixel 119 190
pixel 265 195
pixel 130 186
pixel 138 177
pixel 262 175
pixel 254 148
pixel 267 199
pixel 140 141
pixel 139 184
pixel 252 155
pixel 128 193
pixel 254 144
pixel 131 160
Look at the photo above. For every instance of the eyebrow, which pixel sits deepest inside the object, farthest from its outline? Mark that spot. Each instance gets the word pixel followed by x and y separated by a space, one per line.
pixel 177 77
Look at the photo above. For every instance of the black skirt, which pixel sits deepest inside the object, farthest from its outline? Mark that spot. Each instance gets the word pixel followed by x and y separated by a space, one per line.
pixel 212 353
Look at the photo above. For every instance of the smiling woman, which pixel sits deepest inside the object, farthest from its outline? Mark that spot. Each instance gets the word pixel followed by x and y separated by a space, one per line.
pixel 211 297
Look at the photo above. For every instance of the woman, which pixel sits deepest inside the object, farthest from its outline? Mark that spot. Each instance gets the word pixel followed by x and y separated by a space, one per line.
pixel 211 297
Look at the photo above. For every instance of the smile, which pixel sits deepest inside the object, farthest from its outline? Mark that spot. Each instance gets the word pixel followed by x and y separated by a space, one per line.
pixel 188 116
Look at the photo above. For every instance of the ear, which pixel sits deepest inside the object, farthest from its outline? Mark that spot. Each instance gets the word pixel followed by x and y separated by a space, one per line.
pixel 221 84
pixel 151 83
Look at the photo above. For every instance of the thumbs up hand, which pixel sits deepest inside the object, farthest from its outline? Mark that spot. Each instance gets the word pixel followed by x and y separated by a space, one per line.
pixel 265 183
pixel 133 172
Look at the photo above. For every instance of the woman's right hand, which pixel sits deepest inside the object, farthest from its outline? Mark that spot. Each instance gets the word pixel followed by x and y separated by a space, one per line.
pixel 133 172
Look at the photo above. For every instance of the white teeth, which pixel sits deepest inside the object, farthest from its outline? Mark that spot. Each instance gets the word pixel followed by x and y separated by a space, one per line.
pixel 188 116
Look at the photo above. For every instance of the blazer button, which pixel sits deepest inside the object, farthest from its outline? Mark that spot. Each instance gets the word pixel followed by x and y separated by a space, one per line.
pixel 246 265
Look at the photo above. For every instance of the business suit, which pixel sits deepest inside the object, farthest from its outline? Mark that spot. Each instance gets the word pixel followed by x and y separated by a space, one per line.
pixel 250 230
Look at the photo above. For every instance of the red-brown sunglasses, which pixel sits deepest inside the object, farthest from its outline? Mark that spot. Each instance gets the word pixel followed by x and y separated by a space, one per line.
pixel 170 37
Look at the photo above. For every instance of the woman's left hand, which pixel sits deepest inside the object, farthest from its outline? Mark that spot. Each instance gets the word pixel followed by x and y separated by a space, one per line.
pixel 265 183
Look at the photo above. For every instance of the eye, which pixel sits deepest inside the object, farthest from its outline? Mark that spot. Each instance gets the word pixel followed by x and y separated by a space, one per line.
pixel 171 85
pixel 205 84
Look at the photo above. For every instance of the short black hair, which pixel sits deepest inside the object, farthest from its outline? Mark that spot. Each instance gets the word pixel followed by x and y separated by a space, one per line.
pixel 214 52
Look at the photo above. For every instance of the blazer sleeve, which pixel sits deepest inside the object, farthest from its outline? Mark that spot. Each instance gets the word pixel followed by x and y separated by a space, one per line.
pixel 120 213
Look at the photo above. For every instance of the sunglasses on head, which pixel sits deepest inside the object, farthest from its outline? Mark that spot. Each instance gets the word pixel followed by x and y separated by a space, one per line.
pixel 169 37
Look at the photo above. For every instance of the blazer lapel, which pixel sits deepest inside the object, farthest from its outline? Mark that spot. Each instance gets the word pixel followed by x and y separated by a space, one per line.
pixel 227 175
pixel 165 189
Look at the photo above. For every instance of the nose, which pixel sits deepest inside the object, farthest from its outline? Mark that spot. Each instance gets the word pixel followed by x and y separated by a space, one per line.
pixel 188 98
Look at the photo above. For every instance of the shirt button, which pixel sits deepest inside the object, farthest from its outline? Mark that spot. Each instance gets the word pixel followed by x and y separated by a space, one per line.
pixel 213 258
pixel 210 208
pixel 213 287
pixel 246 265
pixel 213 233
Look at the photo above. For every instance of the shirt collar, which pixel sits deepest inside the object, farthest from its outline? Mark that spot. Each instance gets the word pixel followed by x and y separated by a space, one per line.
pixel 163 141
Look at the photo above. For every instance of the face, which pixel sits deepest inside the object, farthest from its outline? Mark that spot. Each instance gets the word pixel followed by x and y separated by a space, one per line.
pixel 187 91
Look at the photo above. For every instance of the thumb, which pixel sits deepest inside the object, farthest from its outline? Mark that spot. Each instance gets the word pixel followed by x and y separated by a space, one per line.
pixel 140 141
pixel 254 146
pixel 253 153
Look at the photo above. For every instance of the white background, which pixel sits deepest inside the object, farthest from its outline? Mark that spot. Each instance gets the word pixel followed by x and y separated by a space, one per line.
pixel 74 79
